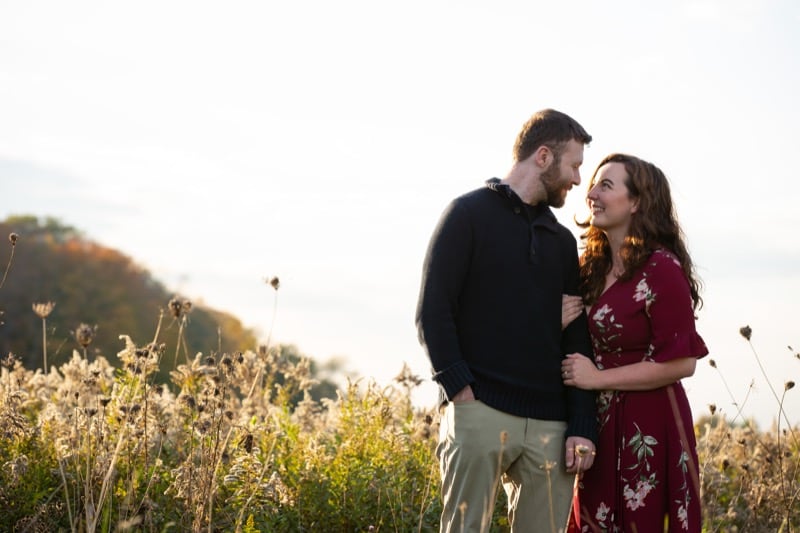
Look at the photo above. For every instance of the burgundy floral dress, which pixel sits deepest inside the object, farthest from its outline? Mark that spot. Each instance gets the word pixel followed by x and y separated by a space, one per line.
pixel 645 473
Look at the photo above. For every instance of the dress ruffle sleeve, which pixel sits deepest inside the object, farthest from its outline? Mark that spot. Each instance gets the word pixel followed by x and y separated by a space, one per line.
pixel 668 303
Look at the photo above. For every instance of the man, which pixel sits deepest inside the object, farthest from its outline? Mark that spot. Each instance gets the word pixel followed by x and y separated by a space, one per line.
pixel 489 317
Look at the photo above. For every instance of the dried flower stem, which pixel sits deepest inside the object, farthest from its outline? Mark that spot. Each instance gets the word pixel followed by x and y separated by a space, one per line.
pixel 781 411
pixel 13 239
pixel 44 344
pixel 256 487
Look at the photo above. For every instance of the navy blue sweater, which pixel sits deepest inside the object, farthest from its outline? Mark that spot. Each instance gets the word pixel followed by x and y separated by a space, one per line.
pixel 489 311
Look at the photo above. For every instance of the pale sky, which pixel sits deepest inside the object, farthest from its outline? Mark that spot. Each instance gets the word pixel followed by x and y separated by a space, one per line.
pixel 219 143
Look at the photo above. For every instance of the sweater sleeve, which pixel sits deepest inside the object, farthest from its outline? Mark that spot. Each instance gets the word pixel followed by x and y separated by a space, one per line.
pixel 444 271
pixel 581 404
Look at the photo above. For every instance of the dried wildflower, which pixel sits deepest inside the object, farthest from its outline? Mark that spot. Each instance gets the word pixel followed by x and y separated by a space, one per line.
pixel 9 361
pixel 246 442
pixel 712 363
pixel 188 401
pixel 84 334
pixel 178 307
pixel 406 378
pixel 12 237
pixel 713 408
pixel 746 332
pixel 788 385
pixel 274 282
pixel 43 309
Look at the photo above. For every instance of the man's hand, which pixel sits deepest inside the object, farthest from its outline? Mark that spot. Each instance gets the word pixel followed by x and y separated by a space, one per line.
pixel 579 454
pixel 571 308
pixel 464 395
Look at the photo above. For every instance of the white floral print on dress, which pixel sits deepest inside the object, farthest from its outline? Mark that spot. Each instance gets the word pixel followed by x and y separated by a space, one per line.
pixel 601 313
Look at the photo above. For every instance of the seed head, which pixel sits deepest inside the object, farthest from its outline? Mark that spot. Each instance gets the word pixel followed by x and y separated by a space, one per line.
pixel 788 385
pixel 43 309
pixel 746 332
pixel 712 363
pixel 713 408
pixel 84 334
pixel 12 237
pixel 9 361
pixel 177 306
pixel 274 282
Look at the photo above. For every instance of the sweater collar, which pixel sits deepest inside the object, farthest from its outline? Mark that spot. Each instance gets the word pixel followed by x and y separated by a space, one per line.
pixel 544 216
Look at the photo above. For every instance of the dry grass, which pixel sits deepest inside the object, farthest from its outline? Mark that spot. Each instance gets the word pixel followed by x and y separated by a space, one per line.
pixel 92 446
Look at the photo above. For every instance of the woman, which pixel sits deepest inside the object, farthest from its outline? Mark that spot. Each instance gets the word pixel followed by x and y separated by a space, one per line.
pixel 639 286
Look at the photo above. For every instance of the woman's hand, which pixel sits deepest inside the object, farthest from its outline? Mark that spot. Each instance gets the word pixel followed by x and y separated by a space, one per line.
pixel 577 370
pixel 571 307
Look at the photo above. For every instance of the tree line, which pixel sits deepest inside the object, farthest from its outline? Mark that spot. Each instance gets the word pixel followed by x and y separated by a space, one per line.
pixel 99 294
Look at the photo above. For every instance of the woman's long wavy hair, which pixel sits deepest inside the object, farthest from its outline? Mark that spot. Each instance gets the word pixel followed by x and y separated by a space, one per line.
pixel 654 225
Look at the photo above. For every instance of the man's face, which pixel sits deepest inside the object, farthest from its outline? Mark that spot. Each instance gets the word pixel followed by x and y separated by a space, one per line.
pixel 563 173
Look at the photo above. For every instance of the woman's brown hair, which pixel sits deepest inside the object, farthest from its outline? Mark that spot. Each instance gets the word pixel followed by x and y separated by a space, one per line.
pixel 654 225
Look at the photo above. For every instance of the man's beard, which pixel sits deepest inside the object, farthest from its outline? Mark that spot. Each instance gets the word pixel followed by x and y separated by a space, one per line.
pixel 554 185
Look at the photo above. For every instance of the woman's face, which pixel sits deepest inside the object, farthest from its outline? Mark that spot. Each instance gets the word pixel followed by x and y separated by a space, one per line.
pixel 609 200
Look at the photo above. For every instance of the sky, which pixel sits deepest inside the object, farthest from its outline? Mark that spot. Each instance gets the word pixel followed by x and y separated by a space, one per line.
pixel 219 144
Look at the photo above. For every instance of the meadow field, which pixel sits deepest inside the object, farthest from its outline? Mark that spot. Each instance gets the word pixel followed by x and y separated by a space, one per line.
pixel 235 442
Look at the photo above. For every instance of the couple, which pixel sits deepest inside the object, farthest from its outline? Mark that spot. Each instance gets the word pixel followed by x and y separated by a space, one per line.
pixel 538 390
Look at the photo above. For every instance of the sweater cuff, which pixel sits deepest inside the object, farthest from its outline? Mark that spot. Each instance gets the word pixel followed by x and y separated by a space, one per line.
pixel 454 378
pixel 583 426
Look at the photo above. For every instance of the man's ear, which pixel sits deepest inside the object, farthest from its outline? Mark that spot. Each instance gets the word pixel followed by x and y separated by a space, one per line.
pixel 543 157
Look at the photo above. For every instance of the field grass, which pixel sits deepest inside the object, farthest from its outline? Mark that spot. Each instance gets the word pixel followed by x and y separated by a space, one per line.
pixel 90 446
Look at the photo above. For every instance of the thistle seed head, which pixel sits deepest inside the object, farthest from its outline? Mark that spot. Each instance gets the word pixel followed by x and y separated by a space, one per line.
pixel 9 361
pixel 12 238
pixel 84 334
pixel 746 332
pixel 178 306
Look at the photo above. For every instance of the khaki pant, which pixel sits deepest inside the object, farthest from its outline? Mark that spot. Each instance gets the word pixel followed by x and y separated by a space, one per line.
pixel 480 447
